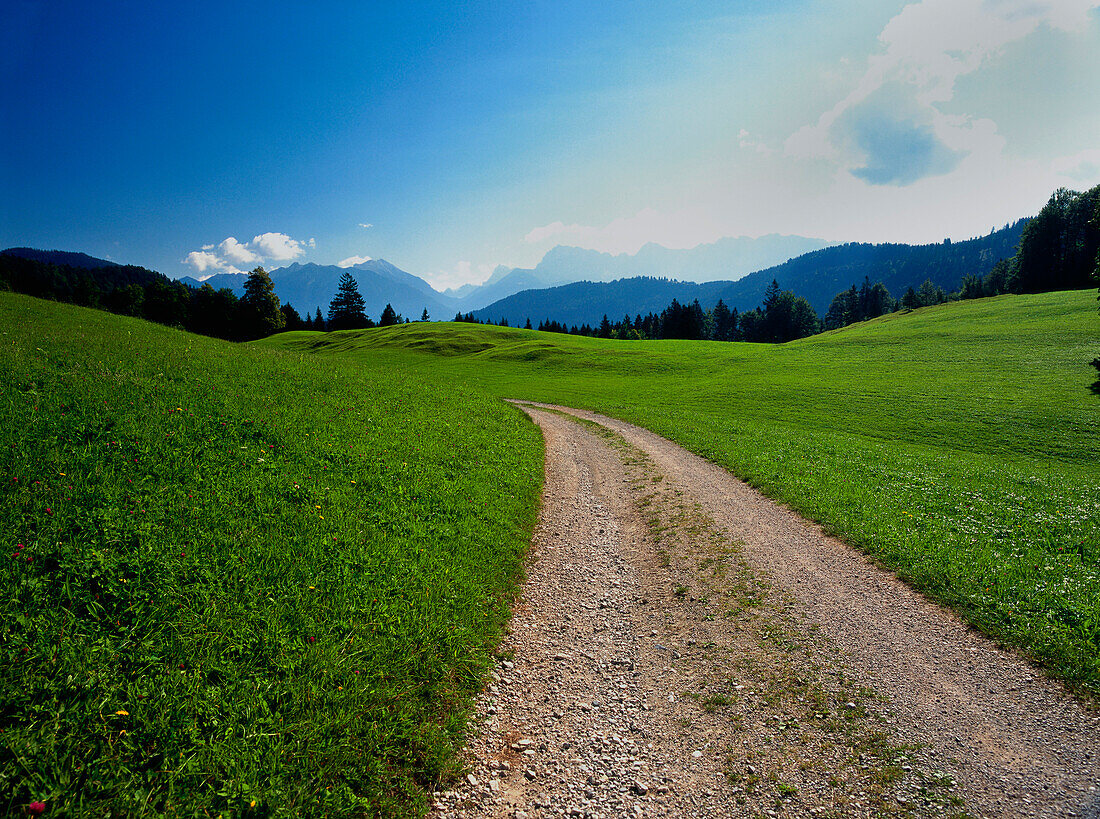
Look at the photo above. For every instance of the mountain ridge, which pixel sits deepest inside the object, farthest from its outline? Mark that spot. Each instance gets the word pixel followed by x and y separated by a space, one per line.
pixel 817 276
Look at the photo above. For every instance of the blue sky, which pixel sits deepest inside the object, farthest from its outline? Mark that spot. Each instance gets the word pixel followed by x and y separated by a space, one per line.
pixel 451 138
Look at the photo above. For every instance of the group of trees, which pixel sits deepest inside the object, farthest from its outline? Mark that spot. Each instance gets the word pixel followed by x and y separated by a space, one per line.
pixel 347 310
pixel 134 291
pixel 783 316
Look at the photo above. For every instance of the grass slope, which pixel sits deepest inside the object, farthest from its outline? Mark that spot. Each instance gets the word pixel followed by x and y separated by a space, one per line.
pixel 241 581
pixel 958 445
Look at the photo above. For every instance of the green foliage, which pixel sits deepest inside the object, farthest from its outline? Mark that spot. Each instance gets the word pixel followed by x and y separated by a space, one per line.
pixel 259 313
pixel 389 317
pixel 235 575
pixel 347 310
pixel 871 301
pixel 1059 247
pixel 957 445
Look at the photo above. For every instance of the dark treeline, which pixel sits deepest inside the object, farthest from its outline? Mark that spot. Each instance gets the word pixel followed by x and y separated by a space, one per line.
pixel 782 317
pixel 135 291
pixel 1058 250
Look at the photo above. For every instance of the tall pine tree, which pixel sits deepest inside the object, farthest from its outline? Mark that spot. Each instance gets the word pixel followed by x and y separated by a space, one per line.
pixel 347 311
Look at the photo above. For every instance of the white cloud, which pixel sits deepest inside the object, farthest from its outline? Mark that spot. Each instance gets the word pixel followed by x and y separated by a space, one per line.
pixel 351 261
pixel 1081 169
pixel 365 225
pixel 747 141
pixel 227 254
pixel 926 48
pixel 233 250
pixel 203 260
pixel 680 229
pixel 279 247
pixel 462 273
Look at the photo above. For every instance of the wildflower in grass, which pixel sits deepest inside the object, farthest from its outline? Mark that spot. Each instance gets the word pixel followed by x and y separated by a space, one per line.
pixel 122 713
pixel 36 808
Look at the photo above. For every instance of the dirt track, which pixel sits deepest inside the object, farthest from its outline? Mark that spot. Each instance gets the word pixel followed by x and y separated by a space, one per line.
pixel 684 646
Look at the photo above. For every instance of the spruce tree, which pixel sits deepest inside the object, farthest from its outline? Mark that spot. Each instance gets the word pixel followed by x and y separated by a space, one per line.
pixel 723 326
pixel 292 321
pixel 346 310
pixel 319 321
pixel 389 317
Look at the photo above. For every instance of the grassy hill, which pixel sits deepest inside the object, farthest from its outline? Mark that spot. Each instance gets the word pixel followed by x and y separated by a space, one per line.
pixel 265 580
pixel 958 445
pixel 239 580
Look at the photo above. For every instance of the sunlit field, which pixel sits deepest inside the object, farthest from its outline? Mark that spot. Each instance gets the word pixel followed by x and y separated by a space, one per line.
pixel 958 444
pixel 241 581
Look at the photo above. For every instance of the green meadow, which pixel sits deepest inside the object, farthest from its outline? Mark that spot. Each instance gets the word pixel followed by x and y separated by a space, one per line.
pixel 958 445
pixel 266 580
pixel 241 582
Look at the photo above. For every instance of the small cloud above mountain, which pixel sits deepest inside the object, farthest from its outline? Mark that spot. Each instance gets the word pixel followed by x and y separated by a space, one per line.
pixel 279 247
pixel 352 261
pixel 236 252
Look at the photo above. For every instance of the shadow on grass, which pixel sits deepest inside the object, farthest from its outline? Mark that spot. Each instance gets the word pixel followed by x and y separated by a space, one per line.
pixel 1096 384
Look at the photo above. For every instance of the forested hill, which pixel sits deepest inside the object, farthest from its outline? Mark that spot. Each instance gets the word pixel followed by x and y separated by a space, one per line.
pixel 820 275
pixel 816 276
pixel 62 258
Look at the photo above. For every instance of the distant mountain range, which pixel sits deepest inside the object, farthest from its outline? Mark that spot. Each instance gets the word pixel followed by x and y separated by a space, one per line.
pixel 817 276
pixel 309 286
pixel 577 286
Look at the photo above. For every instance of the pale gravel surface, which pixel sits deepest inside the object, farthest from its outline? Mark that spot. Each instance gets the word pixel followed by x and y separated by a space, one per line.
pixel 684 646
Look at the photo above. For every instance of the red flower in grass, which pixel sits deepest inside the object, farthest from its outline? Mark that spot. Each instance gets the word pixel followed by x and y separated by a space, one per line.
pixel 36 808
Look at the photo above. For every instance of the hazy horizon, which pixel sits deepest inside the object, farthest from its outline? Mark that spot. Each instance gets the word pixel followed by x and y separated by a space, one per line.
pixel 452 140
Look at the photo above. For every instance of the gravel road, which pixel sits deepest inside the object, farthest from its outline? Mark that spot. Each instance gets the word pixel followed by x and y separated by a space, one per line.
pixel 684 646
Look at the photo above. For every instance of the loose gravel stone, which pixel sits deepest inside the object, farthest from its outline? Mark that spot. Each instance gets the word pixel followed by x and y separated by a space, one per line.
pixel 683 646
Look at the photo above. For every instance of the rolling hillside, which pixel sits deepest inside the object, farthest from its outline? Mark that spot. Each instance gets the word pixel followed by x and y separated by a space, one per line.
pixel 956 444
pixel 241 582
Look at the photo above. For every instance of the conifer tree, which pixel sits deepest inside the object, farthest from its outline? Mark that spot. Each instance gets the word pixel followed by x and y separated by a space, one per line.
pixel 389 317
pixel 292 321
pixel 318 320
pixel 723 322
pixel 346 310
